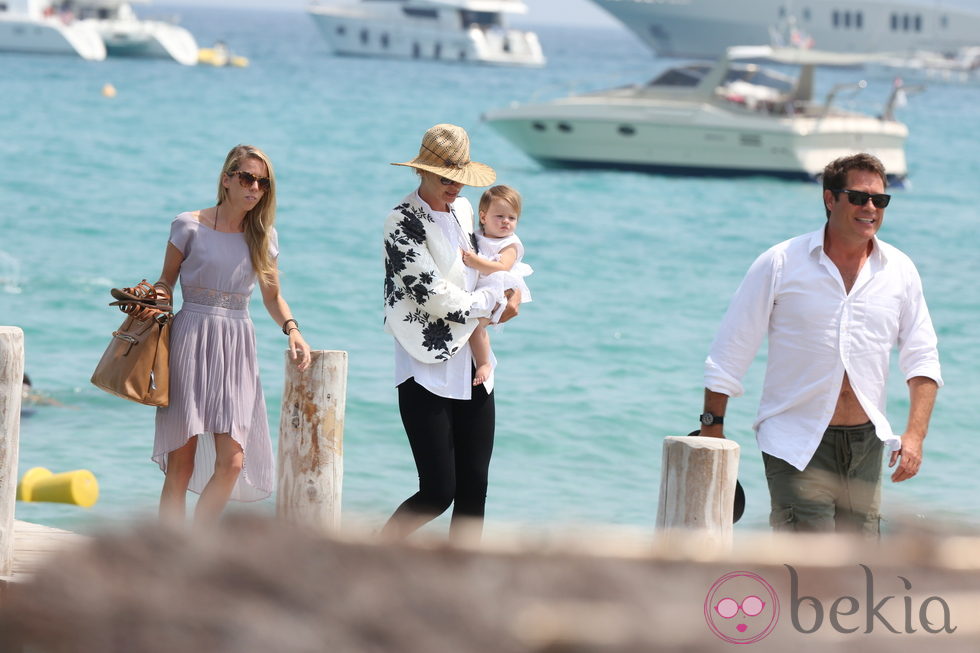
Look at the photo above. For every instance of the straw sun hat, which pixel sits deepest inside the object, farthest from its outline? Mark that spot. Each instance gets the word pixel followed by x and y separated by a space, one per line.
pixel 445 151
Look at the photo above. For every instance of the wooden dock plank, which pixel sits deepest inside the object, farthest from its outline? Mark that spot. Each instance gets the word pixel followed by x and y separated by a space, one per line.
pixel 33 544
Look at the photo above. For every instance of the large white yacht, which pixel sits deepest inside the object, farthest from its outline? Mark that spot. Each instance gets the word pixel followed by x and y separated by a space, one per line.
pixel 126 35
pixel 441 30
pixel 37 26
pixel 704 28
pixel 727 118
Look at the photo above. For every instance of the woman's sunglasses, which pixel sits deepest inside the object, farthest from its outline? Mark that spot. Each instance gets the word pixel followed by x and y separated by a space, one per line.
pixel 449 182
pixel 246 179
pixel 860 198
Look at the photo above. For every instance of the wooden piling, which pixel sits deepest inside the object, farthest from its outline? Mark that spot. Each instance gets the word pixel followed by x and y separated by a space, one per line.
pixel 310 464
pixel 11 390
pixel 697 488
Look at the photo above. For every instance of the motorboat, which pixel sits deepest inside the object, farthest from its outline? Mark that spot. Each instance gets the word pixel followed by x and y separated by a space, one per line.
pixel 960 67
pixel 219 56
pixel 705 28
pixel 126 35
pixel 438 30
pixel 732 117
pixel 39 27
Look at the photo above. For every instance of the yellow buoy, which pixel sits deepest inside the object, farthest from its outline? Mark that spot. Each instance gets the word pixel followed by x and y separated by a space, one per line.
pixel 108 90
pixel 78 487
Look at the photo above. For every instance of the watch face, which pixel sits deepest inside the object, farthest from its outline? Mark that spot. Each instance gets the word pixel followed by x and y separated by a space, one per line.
pixel 707 419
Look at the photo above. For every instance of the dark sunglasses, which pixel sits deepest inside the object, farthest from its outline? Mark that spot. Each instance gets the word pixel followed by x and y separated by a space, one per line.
pixel 246 179
pixel 449 182
pixel 860 198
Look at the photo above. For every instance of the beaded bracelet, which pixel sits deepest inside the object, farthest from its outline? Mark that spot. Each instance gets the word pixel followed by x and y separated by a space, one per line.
pixel 286 331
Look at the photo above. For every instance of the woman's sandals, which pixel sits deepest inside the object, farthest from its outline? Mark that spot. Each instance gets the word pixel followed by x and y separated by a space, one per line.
pixel 143 301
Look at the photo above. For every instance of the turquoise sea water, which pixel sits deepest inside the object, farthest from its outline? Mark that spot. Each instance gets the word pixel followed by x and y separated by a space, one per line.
pixel 632 271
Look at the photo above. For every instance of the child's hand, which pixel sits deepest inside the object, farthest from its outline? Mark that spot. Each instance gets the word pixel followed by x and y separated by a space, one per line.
pixel 469 258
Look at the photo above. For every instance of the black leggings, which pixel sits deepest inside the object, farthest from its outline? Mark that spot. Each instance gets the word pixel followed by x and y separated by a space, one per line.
pixel 452 440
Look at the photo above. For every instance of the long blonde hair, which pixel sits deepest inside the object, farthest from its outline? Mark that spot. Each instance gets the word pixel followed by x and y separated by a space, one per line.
pixel 260 220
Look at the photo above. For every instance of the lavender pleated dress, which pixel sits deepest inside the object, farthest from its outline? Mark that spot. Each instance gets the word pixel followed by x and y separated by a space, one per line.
pixel 214 375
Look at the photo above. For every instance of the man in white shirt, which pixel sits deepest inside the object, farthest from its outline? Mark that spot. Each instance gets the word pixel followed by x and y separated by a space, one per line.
pixel 833 304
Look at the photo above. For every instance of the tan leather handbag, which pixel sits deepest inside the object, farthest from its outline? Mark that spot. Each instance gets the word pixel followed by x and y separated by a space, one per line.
pixel 136 364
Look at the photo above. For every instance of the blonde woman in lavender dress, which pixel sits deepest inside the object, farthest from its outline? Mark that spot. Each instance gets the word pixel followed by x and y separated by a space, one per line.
pixel 213 438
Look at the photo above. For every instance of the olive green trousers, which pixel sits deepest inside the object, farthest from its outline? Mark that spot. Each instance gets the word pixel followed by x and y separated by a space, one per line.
pixel 839 490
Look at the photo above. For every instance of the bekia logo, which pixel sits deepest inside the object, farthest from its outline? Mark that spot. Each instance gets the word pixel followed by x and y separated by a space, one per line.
pixel 741 607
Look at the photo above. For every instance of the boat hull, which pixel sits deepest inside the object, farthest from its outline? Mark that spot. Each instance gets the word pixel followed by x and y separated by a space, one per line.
pixel 147 39
pixel 50 36
pixel 705 142
pixel 705 28
pixel 355 32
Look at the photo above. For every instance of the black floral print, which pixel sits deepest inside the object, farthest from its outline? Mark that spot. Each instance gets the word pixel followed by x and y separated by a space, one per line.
pixel 458 316
pixel 411 225
pixel 419 317
pixel 418 290
pixel 436 336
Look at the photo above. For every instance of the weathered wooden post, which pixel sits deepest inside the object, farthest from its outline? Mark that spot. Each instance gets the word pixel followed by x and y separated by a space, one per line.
pixel 697 489
pixel 11 389
pixel 311 441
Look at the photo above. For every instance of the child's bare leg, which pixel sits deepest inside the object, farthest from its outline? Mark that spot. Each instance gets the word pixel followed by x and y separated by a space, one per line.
pixel 480 345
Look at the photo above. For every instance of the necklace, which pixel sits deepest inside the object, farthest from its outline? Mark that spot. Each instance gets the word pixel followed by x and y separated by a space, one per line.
pixel 216 206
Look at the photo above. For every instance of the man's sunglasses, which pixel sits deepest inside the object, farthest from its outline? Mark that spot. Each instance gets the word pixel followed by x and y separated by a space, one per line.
pixel 246 179
pixel 860 198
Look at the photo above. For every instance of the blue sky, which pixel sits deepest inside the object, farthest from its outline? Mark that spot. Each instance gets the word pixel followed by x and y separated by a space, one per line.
pixel 567 12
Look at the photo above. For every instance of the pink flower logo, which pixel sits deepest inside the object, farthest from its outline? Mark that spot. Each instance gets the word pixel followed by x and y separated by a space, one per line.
pixel 741 608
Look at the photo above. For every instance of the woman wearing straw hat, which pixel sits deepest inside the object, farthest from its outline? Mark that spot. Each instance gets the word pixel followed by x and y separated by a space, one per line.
pixel 432 304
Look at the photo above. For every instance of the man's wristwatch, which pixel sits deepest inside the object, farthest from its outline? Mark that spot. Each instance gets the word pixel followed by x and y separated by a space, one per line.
pixel 707 419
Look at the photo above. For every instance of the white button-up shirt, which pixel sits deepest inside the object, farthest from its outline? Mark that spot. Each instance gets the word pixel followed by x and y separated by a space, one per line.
pixel 818 331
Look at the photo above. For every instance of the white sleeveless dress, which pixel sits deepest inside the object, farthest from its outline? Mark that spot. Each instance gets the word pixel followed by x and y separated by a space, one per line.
pixel 490 248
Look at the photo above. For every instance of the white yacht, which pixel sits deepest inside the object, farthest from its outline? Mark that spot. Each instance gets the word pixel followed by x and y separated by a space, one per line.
pixel 126 35
pixel 441 30
pixel 40 27
pixel 704 28
pixel 728 118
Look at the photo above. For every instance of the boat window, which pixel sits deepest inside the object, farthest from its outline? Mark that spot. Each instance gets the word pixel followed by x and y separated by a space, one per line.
pixel 384 40
pixel 341 30
pixel 806 14
pixel 918 22
pixel 564 127
pixel 416 50
pixel 437 51
pixel 782 12
pixel 905 22
pixel 894 22
pixel 481 19
pixel 847 19
pixel 364 36
pixel 859 20
pixel 944 21
pixel 759 77
pixel 421 13
pixel 836 18
pixel 538 126
pixel 685 76
pixel 627 130
pixel 3 6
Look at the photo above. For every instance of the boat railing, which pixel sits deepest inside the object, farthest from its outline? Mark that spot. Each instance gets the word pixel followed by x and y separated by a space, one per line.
pixel 897 98
pixel 838 89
